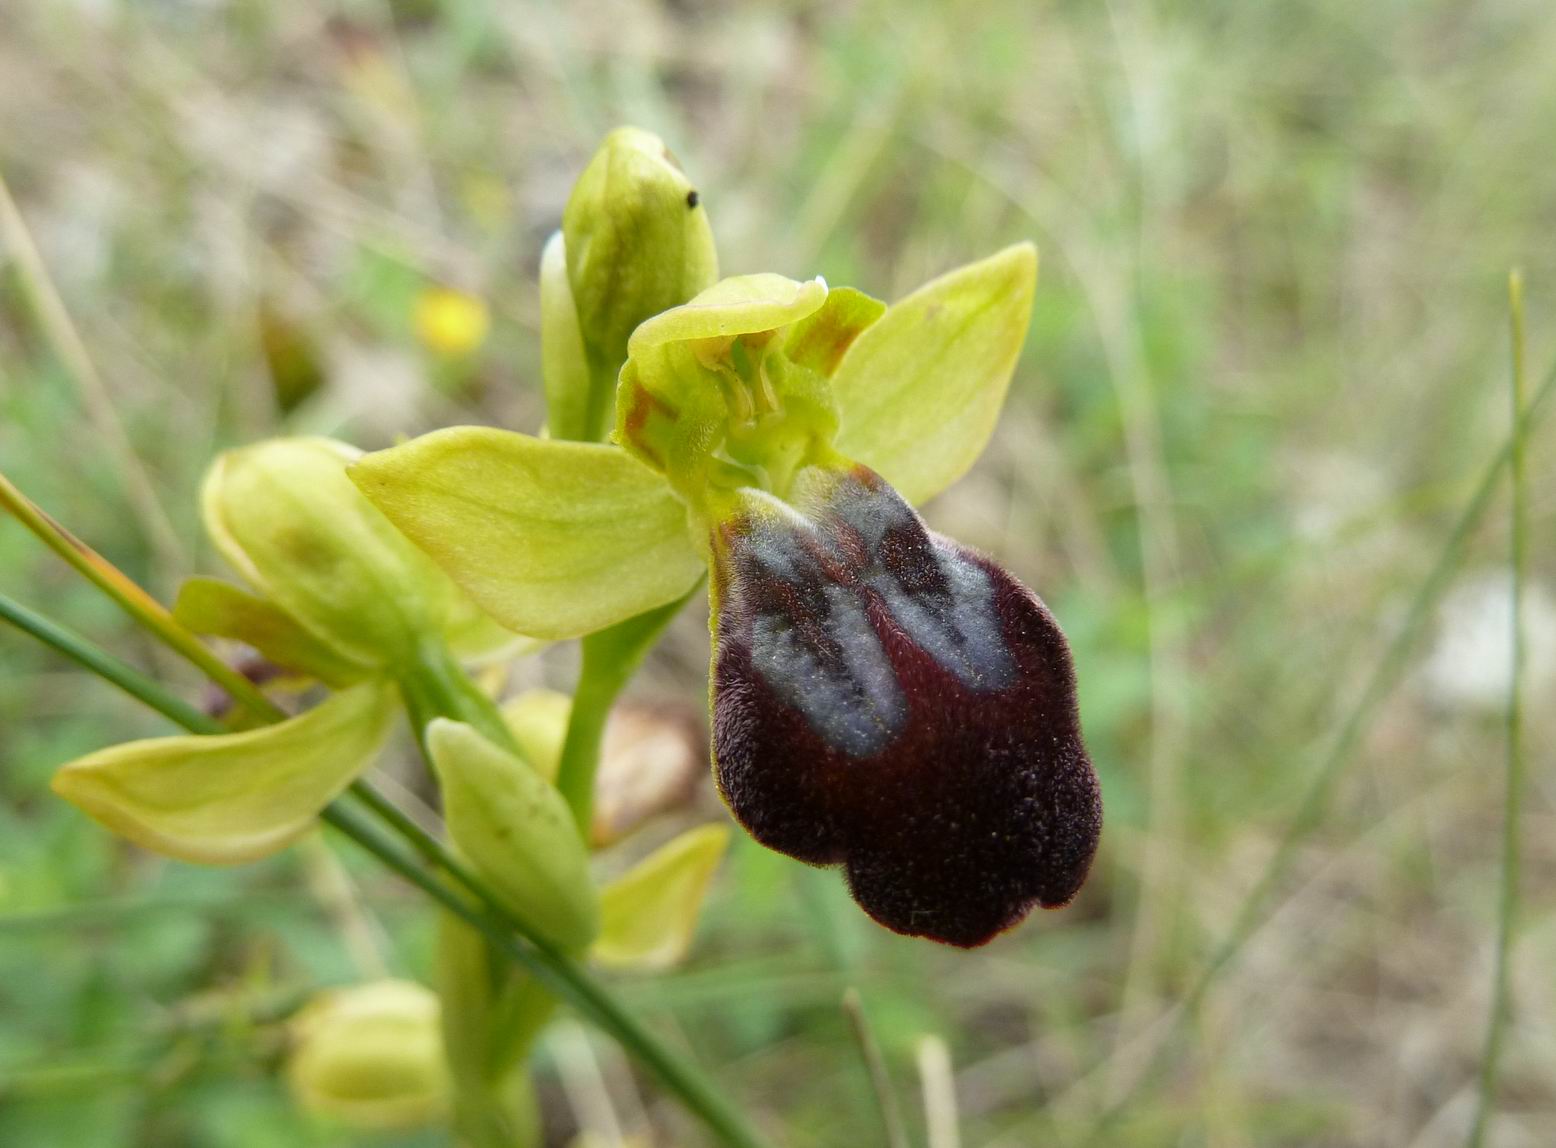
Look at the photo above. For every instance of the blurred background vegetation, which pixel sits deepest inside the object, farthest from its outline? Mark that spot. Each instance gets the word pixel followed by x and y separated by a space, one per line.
pixel 1267 366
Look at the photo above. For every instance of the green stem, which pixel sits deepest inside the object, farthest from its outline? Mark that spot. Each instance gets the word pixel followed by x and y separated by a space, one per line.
pixel 108 667
pixel 1507 910
pixel 391 815
pixel 434 685
pixel 609 659
pixel 893 1130
pixel 142 608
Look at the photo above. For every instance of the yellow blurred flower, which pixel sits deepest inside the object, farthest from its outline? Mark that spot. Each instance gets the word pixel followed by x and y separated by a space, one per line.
pixel 370 1056
pixel 451 322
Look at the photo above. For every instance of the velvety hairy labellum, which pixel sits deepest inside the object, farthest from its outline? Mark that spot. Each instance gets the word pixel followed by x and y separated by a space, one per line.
pixel 888 700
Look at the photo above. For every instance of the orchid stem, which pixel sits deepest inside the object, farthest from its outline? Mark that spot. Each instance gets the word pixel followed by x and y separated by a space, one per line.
pixel 566 979
pixel 609 658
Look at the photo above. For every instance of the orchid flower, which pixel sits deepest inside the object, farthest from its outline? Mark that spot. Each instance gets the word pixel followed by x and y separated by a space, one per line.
pixel 882 698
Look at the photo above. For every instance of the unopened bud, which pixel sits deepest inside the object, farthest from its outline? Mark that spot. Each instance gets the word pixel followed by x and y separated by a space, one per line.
pixel 284 514
pixel 371 1056
pixel 637 243
pixel 517 832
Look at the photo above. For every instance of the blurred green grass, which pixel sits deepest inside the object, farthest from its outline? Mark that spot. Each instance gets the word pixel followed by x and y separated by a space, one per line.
pixel 1266 364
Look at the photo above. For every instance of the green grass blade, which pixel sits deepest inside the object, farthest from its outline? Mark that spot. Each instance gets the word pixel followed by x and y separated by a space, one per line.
pixel 1507 909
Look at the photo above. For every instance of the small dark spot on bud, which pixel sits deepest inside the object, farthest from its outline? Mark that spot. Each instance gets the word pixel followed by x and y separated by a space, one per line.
pixel 887 700
pixel 692 198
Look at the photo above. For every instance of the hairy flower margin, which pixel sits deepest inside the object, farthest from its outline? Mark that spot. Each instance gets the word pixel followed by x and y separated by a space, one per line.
pixel 882 698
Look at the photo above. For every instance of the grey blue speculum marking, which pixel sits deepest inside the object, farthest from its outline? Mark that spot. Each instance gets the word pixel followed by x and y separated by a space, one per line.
pixel 887 700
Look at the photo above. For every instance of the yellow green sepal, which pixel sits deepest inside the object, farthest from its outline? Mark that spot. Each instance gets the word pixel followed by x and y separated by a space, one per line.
pixel 231 798
pixel 649 914
pixel 637 242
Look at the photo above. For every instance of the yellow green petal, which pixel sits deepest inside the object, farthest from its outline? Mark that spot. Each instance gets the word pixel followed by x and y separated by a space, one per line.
pixel 821 339
pixel 553 539
pixel 648 916
pixel 230 798
pixel 739 305
pixel 920 390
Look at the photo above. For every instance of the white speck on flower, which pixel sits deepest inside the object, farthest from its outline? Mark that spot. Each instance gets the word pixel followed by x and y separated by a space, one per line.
pixel 1470 667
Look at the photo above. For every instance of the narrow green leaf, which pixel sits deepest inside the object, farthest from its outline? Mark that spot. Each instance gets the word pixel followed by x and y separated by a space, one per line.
pixel 648 916
pixel 920 390
pixel 517 833
pixel 554 539
pixel 231 798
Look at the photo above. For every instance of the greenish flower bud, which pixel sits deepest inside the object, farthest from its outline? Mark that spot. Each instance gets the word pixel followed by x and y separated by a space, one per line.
pixel 284 514
pixel 371 1056
pixel 517 833
pixel 637 242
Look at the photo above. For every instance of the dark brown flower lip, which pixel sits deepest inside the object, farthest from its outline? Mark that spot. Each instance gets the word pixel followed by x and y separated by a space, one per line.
pixel 889 701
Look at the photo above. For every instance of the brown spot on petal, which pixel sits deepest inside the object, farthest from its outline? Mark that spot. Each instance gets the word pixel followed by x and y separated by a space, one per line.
pixel 887 700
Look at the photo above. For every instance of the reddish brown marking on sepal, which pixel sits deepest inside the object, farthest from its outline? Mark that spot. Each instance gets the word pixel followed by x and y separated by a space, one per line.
pixel 640 405
pixel 887 700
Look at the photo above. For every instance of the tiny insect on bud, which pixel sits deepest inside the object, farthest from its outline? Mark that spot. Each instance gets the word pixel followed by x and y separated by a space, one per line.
pixel 887 700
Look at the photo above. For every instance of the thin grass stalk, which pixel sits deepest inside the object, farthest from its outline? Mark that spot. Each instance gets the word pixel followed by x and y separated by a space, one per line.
pixel 128 595
pixel 139 686
pixel 1516 768
pixel 894 1133
pixel 1385 676
pixel 61 333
